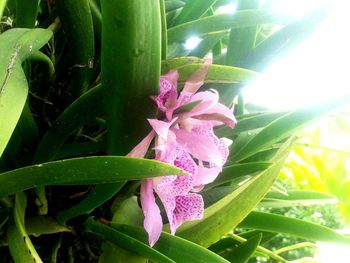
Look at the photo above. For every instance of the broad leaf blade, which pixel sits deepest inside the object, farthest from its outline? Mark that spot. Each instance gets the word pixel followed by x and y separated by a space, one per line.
pixel 15 46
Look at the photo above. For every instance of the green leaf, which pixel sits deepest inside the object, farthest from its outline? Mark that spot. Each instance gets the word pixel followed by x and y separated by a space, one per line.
pixel 130 60
pixel 43 225
pixel 207 43
pixel 15 46
pixel 244 251
pixel 202 26
pixel 292 226
pixel 266 236
pixel 127 212
pixel 125 241
pixel 87 170
pixel 21 247
pixel 297 198
pixel 187 107
pixel 234 171
pixel 218 74
pixel 171 5
pixel 241 40
pixel 174 63
pixel 285 126
pixel 193 10
pixel 249 122
pixel 226 214
pixel 176 248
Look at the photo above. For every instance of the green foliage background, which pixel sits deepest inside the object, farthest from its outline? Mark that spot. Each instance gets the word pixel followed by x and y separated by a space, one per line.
pixel 73 78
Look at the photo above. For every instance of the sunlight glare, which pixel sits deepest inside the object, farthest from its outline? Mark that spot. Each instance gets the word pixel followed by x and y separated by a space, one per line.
pixel 313 72
pixel 226 9
pixel 192 43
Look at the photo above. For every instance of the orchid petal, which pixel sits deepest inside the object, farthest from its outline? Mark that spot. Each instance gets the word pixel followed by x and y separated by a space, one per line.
pixel 168 91
pixel 161 127
pixel 187 208
pixel 201 146
pixel 153 221
pixel 205 175
pixel 219 113
pixel 141 149
pixel 196 80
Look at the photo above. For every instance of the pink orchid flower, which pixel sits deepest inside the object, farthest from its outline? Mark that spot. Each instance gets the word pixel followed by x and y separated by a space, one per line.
pixel 186 140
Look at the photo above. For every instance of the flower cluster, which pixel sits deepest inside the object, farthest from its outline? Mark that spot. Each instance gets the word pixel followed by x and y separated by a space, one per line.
pixel 185 139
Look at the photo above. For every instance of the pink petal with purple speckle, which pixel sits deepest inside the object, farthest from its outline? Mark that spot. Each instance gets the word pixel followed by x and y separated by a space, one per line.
pixel 168 91
pixel 152 223
pixel 187 208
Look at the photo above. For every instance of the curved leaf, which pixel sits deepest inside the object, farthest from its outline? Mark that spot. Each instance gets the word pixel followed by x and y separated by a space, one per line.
pixel 234 171
pixel 292 226
pixel 297 198
pixel 88 170
pixel 285 126
pixel 244 251
pixel 178 249
pixel 15 46
pixel 21 247
pixel 193 10
pixel 218 74
pixel 125 241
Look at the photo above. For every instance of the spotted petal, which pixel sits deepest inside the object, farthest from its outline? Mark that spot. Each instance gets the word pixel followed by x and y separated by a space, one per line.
pixel 152 223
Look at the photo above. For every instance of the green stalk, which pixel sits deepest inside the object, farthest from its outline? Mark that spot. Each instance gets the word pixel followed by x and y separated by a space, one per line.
pixel 260 249
pixel 131 44
pixel 296 246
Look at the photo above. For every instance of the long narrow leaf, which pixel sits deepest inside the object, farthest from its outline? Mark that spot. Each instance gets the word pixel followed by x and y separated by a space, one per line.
pixel 245 18
pixel 20 245
pixel 178 249
pixel 285 126
pixel 88 170
pixel 125 241
pixel 292 226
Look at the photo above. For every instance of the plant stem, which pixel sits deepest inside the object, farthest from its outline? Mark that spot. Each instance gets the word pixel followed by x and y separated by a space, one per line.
pixel 260 249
